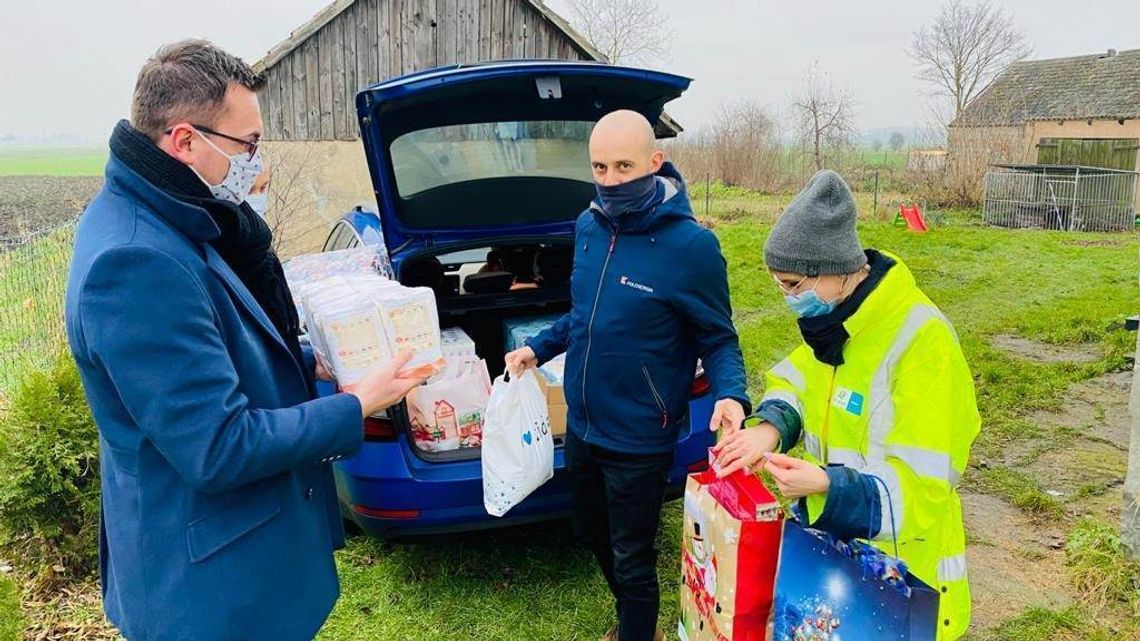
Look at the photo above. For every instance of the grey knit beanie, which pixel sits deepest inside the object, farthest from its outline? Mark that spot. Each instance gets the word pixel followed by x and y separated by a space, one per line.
pixel 816 233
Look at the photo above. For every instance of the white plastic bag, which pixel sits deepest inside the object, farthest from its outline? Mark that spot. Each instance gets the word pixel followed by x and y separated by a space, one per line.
pixel 518 450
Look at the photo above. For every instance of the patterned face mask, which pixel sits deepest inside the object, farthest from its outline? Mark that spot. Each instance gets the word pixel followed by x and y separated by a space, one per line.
pixel 239 179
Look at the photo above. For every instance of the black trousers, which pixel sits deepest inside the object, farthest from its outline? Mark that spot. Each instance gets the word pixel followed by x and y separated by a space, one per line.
pixel 617 502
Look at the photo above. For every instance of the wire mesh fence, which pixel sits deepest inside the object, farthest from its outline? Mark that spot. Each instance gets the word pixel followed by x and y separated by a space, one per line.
pixel 1068 198
pixel 33 278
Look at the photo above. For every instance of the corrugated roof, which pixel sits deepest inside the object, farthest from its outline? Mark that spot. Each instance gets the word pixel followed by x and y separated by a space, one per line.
pixel 1098 86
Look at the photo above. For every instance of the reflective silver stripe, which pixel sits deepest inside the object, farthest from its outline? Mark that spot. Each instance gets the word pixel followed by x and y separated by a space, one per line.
pixel 844 456
pixel 787 397
pixel 811 444
pixel 882 405
pixel 784 369
pixel 942 317
pixel 882 419
pixel 952 568
pixel 889 496
pixel 926 462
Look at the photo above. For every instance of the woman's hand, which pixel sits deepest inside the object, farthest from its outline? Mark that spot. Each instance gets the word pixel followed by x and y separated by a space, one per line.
pixel 796 478
pixel 745 447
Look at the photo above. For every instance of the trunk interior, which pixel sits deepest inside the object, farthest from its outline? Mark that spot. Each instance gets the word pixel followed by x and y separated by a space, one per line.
pixel 540 273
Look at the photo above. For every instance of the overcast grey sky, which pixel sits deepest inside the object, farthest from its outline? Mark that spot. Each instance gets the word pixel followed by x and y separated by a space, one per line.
pixel 69 65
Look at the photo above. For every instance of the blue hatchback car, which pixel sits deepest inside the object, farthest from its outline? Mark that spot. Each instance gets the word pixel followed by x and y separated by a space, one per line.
pixel 478 165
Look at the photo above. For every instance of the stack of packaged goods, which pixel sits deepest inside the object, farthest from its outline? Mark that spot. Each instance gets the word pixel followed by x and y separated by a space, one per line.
pixel 550 376
pixel 447 413
pixel 517 331
pixel 308 269
pixel 359 323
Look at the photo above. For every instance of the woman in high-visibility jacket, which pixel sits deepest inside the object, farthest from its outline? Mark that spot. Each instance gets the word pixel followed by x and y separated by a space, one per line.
pixel 879 396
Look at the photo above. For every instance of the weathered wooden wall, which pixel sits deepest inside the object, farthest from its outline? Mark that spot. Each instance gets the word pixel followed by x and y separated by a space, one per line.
pixel 311 89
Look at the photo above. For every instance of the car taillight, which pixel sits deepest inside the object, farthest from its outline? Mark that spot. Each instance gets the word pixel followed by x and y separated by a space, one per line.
pixel 385 514
pixel 700 385
pixel 379 428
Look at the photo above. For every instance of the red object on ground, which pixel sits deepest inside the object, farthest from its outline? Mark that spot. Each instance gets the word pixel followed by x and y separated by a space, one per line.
pixel 913 217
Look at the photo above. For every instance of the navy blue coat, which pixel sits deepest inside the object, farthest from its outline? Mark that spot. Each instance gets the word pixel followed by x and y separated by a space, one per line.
pixel 649 296
pixel 219 511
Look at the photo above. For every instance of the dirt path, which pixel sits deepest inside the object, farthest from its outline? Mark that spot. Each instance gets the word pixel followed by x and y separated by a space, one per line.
pixel 1018 561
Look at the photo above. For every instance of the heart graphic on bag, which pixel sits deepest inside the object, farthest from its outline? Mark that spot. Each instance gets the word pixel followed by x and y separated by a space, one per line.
pixel 527 438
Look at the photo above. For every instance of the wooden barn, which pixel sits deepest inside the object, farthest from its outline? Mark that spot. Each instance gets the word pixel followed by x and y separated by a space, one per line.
pixel 1080 110
pixel 313 149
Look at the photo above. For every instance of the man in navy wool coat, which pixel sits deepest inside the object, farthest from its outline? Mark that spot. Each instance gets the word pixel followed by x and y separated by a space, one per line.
pixel 219 514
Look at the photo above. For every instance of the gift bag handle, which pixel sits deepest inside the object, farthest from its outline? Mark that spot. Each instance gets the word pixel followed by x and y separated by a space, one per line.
pixel 890 511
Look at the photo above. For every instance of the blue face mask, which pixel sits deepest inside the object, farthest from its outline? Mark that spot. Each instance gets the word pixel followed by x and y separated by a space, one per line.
pixel 633 196
pixel 258 202
pixel 809 304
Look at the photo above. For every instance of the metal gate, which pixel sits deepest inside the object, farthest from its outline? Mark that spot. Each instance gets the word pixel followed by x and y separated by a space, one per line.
pixel 1065 197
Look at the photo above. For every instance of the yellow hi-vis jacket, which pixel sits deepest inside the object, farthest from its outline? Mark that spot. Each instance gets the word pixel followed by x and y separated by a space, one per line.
pixel 901 408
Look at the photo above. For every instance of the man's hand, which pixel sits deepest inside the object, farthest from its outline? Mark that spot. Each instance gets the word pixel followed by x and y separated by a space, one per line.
pixel 385 387
pixel 520 360
pixel 796 478
pixel 728 413
pixel 740 449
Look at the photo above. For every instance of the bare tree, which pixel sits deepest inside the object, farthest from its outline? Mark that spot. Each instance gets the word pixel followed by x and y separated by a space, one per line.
pixel 825 116
pixel 289 213
pixel 965 48
pixel 896 141
pixel 745 146
pixel 627 31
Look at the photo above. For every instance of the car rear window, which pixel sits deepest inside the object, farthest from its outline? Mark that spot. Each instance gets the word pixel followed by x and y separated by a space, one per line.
pixel 440 156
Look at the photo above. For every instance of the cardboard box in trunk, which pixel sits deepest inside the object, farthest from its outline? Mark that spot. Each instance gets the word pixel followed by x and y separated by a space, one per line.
pixel 555 405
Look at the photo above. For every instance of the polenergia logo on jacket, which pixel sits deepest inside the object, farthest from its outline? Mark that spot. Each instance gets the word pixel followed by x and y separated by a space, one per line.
pixel 625 280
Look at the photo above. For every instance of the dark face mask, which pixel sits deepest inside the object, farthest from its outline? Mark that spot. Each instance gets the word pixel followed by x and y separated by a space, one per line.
pixel 635 195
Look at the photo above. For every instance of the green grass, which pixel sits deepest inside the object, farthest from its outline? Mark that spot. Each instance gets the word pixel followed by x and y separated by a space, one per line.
pixel 1041 624
pixel 52 161
pixel 729 204
pixel 1101 568
pixel 1016 487
pixel 11 618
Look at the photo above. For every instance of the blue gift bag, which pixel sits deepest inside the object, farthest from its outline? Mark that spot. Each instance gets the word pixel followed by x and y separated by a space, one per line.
pixel 830 590
pixel 822 594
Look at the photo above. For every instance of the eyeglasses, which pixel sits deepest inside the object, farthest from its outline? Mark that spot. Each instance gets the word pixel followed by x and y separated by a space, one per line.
pixel 794 289
pixel 799 286
pixel 250 146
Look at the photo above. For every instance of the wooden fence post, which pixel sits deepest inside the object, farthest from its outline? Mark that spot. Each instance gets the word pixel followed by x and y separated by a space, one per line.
pixel 1130 514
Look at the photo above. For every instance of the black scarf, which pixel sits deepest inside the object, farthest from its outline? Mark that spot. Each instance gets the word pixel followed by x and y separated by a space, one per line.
pixel 245 242
pixel 826 334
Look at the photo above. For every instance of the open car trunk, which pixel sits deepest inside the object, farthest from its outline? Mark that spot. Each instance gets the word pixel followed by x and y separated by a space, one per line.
pixel 494 149
pixel 482 315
